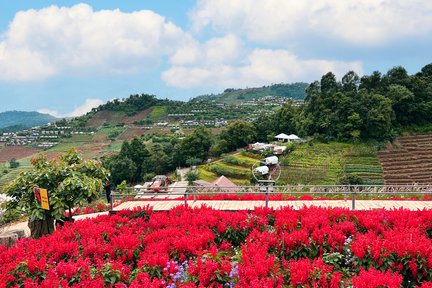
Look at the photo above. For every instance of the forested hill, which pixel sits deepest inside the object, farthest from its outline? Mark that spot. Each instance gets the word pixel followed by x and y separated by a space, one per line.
pixel 11 121
pixel 294 91
pixel 133 104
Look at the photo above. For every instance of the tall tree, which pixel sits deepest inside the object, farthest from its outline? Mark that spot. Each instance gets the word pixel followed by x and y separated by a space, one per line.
pixel 136 151
pixel 329 85
pixel 239 133
pixel 194 146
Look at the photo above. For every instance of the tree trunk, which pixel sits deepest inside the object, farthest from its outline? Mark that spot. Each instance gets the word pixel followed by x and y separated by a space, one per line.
pixel 38 228
pixel 8 239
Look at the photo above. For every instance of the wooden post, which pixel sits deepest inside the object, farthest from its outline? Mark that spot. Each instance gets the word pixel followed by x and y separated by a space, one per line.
pixel 8 239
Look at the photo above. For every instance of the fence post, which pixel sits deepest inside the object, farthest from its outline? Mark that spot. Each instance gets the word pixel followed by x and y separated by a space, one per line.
pixel 111 201
pixel 353 200
pixel 194 194
pixel 267 196
pixel 185 198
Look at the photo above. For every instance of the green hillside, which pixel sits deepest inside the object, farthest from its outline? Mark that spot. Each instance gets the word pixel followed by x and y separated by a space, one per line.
pixel 296 91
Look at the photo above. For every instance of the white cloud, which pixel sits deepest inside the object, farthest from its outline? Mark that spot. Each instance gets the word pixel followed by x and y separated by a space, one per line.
pixel 51 112
pixel 53 40
pixel 214 51
pixel 261 67
pixel 362 22
pixel 78 111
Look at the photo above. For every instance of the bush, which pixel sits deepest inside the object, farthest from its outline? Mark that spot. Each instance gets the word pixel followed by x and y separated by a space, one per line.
pixel 350 179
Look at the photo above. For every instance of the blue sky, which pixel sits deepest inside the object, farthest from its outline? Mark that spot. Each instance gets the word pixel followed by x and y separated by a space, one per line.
pixel 65 57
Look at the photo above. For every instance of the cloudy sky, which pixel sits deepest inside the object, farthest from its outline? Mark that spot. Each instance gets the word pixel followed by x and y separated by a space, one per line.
pixel 65 57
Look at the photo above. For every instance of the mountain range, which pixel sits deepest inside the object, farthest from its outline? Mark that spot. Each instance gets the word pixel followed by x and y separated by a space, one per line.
pixel 11 121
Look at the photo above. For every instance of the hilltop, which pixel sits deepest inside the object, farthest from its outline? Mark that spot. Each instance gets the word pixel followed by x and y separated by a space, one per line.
pixel 294 91
pixel 11 121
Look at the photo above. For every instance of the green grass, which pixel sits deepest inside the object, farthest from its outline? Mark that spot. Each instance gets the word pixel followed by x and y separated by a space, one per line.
pixel 158 112
pixel 206 175
pixel 110 133
pixel 72 142
pixel 6 178
pixel 114 146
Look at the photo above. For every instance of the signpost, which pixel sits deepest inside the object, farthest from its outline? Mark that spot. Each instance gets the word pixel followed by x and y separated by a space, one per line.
pixel 41 195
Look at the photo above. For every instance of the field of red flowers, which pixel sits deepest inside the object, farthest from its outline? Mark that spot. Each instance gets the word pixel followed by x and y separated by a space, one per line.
pixel 184 247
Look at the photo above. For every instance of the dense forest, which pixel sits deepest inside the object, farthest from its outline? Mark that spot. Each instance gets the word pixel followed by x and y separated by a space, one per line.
pixel 372 107
pixel 133 104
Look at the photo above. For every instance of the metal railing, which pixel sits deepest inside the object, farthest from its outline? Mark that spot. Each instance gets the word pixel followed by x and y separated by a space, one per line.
pixel 348 191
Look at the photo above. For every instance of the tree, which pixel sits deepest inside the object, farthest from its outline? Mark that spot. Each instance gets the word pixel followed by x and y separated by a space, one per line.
pixel 238 134
pixel 191 176
pixel 121 168
pixel 350 82
pixel 136 151
pixel 13 163
pixel 70 181
pixel 402 103
pixel 329 85
pixel 194 146
pixel 219 147
pixel 285 118
pixel 371 83
pixel 157 162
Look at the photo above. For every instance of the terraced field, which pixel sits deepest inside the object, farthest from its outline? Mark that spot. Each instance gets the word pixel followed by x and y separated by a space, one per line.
pixel 236 167
pixel 321 164
pixel 408 160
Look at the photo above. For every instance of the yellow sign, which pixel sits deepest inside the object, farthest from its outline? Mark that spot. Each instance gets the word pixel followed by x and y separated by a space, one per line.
pixel 44 199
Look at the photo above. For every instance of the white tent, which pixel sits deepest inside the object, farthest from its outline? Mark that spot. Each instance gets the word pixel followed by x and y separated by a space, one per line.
pixel 282 137
pixel 272 160
pixel 293 137
pixel 263 170
pixel 287 138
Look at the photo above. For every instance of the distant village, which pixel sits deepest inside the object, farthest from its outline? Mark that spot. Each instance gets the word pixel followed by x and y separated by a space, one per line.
pixel 211 114
pixel 40 136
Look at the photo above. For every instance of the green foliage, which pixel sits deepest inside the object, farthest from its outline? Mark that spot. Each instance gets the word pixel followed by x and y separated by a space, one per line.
pixel 122 186
pixel 321 163
pixel 13 163
pixel 238 134
pixel 138 159
pixel 236 161
pixel 371 108
pixel 157 113
pixel 70 182
pixel 132 105
pixel 293 90
pixel 350 179
pixel 121 168
pixel 219 147
pixel 229 171
pixel 191 176
pixel 194 146
pixel 112 135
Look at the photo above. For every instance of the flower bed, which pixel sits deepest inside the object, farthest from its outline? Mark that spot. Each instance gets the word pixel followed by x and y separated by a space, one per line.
pixel 184 247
